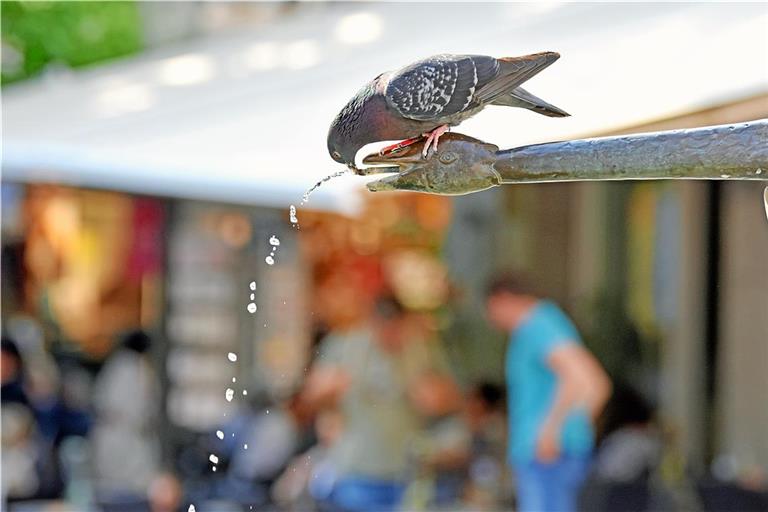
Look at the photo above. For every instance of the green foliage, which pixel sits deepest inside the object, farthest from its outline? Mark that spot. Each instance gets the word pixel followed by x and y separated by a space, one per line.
pixel 36 34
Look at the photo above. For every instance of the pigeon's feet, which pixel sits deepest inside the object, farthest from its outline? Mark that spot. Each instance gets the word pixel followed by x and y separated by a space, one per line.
pixel 402 144
pixel 432 138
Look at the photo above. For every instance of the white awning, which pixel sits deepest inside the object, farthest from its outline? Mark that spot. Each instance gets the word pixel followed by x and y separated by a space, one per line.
pixel 243 118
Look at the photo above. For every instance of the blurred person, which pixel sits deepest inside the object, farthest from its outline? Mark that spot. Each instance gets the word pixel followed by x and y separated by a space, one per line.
pixel 383 378
pixel 302 478
pixel 21 453
pixel 41 371
pixel 259 444
pixel 484 412
pixel 441 455
pixel 12 374
pixel 556 389
pixel 165 493
pixel 125 446
pixel 29 461
pixel 627 455
pixel 44 414
pixel 20 438
pixel 630 450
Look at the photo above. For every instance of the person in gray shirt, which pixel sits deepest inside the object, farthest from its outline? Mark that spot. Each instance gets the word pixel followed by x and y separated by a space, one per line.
pixel 385 378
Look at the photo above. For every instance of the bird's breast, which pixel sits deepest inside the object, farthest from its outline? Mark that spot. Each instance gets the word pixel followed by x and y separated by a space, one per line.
pixel 388 124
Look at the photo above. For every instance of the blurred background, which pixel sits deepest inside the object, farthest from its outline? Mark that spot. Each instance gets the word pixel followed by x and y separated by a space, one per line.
pixel 151 149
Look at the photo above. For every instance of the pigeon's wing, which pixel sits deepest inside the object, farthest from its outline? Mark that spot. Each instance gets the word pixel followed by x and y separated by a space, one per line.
pixel 439 86
pixel 512 73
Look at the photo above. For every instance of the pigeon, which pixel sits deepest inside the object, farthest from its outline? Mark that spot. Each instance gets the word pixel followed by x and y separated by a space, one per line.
pixel 427 97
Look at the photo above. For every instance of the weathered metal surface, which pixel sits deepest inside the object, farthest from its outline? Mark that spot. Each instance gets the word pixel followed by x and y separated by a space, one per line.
pixel 463 165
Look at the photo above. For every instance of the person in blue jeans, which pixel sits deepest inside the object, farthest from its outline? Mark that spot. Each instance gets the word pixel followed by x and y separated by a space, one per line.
pixel 556 388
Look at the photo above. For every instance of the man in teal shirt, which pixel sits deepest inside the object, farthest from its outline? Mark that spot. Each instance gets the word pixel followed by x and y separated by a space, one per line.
pixel 556 388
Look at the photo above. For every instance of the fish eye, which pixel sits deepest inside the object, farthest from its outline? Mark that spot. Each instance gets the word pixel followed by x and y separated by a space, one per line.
pixel 448 157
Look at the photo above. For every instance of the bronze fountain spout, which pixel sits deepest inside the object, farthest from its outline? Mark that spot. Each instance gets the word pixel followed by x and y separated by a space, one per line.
pixel 463 165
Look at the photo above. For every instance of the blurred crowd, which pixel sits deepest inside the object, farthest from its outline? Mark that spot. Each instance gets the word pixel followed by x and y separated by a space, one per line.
pixel 379 423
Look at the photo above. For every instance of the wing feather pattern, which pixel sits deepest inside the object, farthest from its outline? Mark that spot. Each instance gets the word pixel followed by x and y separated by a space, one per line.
pixel 441 86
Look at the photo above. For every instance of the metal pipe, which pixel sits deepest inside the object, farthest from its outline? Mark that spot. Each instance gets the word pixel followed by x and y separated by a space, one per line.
pixel 738 151
pixel 463 165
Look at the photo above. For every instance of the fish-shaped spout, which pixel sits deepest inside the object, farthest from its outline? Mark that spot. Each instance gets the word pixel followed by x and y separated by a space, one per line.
pixel 459 165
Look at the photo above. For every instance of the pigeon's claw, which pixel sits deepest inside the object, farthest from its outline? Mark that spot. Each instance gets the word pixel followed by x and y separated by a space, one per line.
pixel 402 144
pixel 432 138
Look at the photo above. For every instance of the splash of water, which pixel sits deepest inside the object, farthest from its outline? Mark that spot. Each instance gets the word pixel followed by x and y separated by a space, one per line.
pixel 305 197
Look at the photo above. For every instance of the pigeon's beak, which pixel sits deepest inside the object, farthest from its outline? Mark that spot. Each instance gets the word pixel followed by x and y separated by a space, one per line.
pixel 379 169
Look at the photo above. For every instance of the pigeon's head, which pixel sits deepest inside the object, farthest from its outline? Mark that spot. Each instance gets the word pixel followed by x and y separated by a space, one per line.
pixel 353 128
pixel 340 146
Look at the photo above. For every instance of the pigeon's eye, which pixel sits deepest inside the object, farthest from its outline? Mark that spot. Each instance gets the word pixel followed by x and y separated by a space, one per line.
pixel 448 157
pixel 336 155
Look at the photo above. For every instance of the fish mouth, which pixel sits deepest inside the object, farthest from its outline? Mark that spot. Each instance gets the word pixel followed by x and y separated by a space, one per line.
pixel 406 155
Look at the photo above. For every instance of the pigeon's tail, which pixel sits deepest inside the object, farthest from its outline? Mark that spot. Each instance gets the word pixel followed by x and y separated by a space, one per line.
pixel 521 98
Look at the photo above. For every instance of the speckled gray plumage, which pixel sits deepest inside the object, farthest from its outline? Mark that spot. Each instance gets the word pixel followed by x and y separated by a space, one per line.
pixel 439 90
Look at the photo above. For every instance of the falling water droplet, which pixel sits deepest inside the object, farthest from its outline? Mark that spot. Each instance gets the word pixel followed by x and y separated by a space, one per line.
pixel 234 379
pixel 253 285
pixel 305 197
pixel 220 434
pixel 274 241
pixel 213 458
pixel 213 469
pixel 245 392
pixel 232 356
pixel 191 508
pixel 253 296
pixel 252 308
pixel 245 446
pixel 270 260
pixel 292 215
pixel 267 411
pixel 229 394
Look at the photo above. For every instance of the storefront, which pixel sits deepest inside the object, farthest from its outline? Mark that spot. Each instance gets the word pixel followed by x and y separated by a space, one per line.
pixel 88 265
